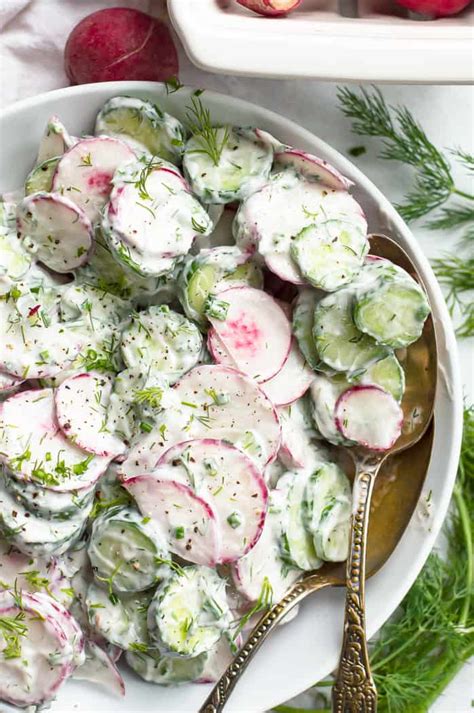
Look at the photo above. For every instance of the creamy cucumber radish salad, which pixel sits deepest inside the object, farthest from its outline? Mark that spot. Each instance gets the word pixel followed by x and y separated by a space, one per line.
pixel 190 318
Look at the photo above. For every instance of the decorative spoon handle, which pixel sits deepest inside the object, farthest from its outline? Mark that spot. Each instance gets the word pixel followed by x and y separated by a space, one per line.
pixel 354 689
pixel 219 695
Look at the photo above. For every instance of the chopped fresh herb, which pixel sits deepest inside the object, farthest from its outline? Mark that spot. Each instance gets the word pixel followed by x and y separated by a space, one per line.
pixel 12 629
pixel 146 427
pixel 152 396
pixel 173 85
pixel 264 601
pixel 179 533
pixel 214 307
pixel 234 520
pixel 212 140
pixel 357 151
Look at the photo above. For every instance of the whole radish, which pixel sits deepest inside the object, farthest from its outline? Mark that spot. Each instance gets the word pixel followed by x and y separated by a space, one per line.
pixel 270 8
pixel 435 8
pixel 120 43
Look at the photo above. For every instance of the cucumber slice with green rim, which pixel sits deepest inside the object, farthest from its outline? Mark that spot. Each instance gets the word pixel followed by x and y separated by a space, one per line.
pixel 34 535
pixel 324 393
pixel 144 125
pixel 296 543
pixel 330 253
pixel 303 320
pixel 388 374
pixel 242 168
pixel 340 344
pixel 15 261
pixel 127 551
pixel 393 313
pixel 162 340
pixel 166 670
pixel 210 272
pixel 49 504
pixel 189 612
pixel 327 511
pixel 41 177
pixel 121 620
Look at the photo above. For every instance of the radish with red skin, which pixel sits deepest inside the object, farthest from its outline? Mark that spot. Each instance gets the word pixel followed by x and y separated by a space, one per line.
pixel 229 480
pixel 120 43
pixel 29 430
pixel 55 230
pixel 81 409
pixel 84 173
pixel 270 8
pixel 435 8
pixel 254 331
pixel 369 416
pixel 312 168
pixel 174 508
pixel 292 381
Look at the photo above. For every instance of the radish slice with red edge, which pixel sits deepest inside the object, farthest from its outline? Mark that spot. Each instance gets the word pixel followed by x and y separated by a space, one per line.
pixel 55 230
pixel 292 381
pixel 369 416
pixel 270 8
pixel 84 174
pixel 312 168
pixel 81 408
pixel 34 448
pixel 229 480
pixel 188 522
pixel 254 330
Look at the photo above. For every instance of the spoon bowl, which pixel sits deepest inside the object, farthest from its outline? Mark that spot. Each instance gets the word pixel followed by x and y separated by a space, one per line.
pixel 387 485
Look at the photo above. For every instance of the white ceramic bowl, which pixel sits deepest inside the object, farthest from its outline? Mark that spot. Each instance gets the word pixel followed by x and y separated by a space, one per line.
pixel 305 650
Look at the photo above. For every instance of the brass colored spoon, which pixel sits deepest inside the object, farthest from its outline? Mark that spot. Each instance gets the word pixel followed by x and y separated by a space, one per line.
pixel 391 503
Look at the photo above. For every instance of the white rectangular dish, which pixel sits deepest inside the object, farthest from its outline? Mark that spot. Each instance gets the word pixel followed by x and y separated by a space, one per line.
pixel 346 40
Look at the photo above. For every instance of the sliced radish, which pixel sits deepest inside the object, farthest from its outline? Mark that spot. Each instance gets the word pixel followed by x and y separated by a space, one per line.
pixel 9 383
pixel 34 448
pixel 369 416
pixel 100 668
pixel 292 381
pixel 254 330
pixel 313 168
pixel 84 174
pixel 298 448
pixel 229 480
pixel 47 657
pixel 211 402
pixel 82 403
pixel 55 140
pixel 40 575
pixel 187 521
pixel 263 564
pixel 218 351
pixel 218 659
pixel 55 230
pixel 270 8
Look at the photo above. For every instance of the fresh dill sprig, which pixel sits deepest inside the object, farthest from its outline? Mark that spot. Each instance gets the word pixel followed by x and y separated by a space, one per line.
pixel 264 601
pixel 12 628
pixel 211 139
pixel 405 140
pixel 151 395
pixel 419 651
pixel 456 273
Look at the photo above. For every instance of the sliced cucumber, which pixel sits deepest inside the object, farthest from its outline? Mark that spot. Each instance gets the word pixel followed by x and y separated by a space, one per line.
pixel 393 313
pixel 325 392
pixel 340 344
pixel 330 253
pixel 327 506
pixel 15 261
pixel 303 320
pixel 211 271
pixel 388 374
pixel 144 125
pixel 127 551
pixel 241 167
pixel 41 177
pixel 189 612
pixel 166 670
pixel 34 535
pixel 296 543
pixel 162 340
pixel 120 620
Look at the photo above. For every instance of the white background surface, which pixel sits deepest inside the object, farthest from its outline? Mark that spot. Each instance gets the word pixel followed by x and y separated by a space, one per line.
pixel 33 33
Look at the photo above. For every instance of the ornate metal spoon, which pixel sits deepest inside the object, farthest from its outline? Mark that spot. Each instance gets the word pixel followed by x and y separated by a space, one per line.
pixel 400 477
